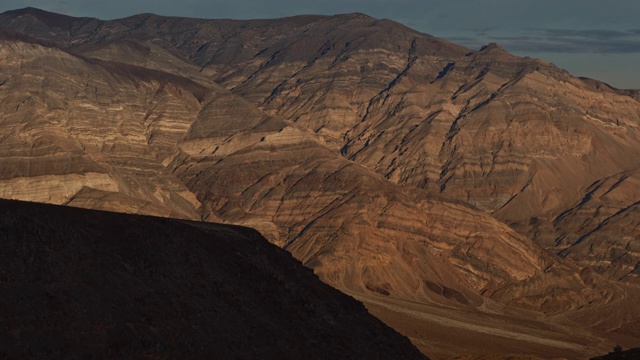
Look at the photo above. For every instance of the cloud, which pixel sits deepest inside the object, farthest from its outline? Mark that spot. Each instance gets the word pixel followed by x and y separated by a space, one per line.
pixel 575 46
pixel 574 41
pixel 586 34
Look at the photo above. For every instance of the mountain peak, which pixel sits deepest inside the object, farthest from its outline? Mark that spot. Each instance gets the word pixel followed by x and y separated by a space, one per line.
pixel 357 15
pixel 492 47
pixel 51 19
pixel 36 12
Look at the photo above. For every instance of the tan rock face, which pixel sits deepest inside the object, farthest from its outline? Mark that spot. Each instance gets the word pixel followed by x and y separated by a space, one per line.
pixel 349 224
pixel 391 162
pixel 74 129
pixel 516 137
pixel 156 143
pixel 602 230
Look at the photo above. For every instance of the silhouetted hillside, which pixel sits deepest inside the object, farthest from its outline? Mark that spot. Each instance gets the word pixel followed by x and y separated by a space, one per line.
pixel 631 354
pixel 80 283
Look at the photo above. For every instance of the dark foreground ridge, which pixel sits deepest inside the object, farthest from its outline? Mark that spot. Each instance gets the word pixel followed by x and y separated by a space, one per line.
pixel 620 355
pixel 81 283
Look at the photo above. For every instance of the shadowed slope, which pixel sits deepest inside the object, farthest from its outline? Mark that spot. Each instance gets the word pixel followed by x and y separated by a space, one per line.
pixel 78 283
pixel 620 355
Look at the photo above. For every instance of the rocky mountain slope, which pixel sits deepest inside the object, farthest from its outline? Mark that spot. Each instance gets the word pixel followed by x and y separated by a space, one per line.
pixel 121 137
pixel 517 137
pixel 391 162
pixel 84 283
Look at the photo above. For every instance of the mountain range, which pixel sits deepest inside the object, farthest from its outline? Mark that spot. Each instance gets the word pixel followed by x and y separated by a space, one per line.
pixel 496 194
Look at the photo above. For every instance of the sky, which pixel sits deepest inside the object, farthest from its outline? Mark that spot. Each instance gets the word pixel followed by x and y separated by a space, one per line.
pixel 593 38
